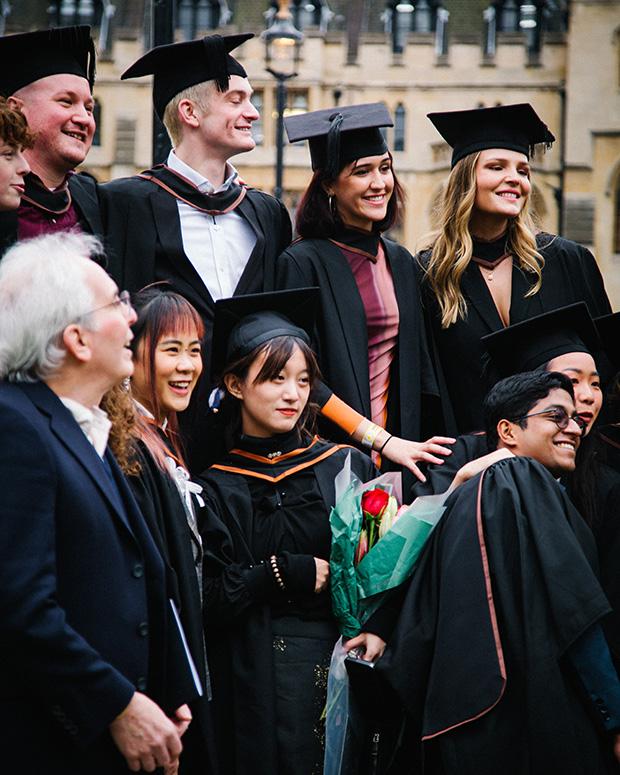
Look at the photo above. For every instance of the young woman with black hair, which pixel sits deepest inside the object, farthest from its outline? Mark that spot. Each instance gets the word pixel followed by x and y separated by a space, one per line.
pixel 270 629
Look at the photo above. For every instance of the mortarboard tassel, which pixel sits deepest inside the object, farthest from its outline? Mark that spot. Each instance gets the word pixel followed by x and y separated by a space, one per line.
pixel 217 56
pixel 333 145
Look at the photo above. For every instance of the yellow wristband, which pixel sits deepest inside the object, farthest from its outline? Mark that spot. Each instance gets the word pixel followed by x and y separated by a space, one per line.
pixel 371 433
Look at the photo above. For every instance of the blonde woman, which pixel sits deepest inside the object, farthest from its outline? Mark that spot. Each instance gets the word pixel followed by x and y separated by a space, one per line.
pixel 487 267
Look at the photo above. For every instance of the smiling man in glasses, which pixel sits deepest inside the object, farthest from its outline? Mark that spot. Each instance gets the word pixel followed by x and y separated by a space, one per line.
pixel 533 415
pixel 499 656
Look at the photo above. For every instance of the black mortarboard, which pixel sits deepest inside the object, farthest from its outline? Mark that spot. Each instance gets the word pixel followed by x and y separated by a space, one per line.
pixel 514 127
pixel 340 135
pixel 178 66
pixel 243 323
pixel 26 57
pixel 608 327
pixel 528 345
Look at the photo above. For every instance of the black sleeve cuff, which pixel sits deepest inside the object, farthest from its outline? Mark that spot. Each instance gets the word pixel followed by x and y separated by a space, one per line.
pixel 384 619
pixel 298 572
pixel 259 582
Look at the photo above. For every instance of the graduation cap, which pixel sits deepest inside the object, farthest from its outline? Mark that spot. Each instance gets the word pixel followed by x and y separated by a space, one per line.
pixel 608 327
pixel 26 57
pixel 243 323
pixel 177 66
pixel 513 127
pixel 528 345
pixel 340 135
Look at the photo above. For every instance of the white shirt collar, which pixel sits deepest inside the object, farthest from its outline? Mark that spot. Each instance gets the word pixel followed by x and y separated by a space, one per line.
pixel 93 421
pixel 202 184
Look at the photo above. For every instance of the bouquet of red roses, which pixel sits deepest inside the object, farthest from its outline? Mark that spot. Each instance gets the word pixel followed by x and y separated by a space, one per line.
pixel 375 544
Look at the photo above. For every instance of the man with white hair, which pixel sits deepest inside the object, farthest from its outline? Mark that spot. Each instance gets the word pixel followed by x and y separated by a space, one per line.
pixel 83 604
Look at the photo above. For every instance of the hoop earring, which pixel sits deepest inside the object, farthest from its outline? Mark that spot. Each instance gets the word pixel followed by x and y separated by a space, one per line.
pixel 331 203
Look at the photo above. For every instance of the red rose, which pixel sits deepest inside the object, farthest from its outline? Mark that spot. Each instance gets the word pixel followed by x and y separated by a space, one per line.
pixel 374 503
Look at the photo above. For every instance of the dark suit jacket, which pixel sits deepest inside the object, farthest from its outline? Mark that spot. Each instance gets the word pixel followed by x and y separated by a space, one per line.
pixel 83 603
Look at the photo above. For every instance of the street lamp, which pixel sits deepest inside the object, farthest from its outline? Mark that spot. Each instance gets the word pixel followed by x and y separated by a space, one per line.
pixel 282 42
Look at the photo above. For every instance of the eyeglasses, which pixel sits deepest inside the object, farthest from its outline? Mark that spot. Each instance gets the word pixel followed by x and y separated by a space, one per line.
pixel 123 301
pixel 560 417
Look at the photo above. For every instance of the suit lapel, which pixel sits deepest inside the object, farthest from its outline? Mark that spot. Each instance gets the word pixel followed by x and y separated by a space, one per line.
pixel 350 311
pixel 70 435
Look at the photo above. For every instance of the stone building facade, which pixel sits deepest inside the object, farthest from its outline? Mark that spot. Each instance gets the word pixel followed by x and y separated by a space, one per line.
pixel 562 56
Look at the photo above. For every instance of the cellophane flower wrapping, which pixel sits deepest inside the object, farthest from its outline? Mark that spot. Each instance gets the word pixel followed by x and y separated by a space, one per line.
pixel 358 589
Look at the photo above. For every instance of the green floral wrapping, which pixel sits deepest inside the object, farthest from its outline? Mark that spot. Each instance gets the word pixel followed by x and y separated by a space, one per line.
pixel 358 591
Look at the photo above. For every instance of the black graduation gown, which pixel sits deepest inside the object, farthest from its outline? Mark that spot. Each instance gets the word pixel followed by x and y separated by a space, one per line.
pixel 608 445
pixel 144 245
pixel 467 447
pixel 341 341
pixel 605 495
pixel 163 511
pixel 570 274
pixel 239 629
pixel 505 585
pixel 85 200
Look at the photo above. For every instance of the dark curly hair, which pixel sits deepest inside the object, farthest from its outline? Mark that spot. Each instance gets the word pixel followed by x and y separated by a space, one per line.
pixel 14 127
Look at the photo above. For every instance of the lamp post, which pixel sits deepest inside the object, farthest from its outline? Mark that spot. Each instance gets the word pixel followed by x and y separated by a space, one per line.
pixel 282 42
pixel 163 23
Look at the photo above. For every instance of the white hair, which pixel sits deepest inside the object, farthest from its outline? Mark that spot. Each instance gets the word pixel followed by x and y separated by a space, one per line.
pixel 43 288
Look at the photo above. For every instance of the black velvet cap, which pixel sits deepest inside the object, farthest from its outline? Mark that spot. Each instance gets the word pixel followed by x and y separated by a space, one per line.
pixel 26 57
pixel 177 66
pixel 528 345
pixel 340 135
pixel 608 327
pixel 514 127
pixel 243 323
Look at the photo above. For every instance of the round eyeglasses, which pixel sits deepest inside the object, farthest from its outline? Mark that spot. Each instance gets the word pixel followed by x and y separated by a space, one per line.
pixel 560 417
pixel 123 301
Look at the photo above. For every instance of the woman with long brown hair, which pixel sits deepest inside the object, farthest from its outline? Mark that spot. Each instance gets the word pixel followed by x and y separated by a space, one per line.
pixel 487 266
pixel 370 334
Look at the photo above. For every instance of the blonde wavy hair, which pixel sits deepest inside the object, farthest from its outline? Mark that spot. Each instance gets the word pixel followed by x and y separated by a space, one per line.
pixel 452 242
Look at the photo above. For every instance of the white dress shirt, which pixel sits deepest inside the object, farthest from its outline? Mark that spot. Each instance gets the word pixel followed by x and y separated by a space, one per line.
pixel 93 422
pixel 219 247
